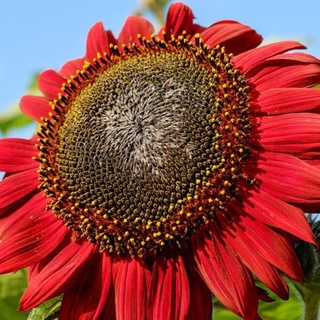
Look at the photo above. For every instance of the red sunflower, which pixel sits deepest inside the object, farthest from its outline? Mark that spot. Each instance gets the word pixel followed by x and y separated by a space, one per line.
pixel 166 167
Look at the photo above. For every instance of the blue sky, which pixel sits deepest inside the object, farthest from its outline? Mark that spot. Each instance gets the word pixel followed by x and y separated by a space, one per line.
pixel 37 35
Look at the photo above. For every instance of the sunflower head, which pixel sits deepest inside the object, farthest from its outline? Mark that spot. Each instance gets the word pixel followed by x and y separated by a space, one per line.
pixel 145 146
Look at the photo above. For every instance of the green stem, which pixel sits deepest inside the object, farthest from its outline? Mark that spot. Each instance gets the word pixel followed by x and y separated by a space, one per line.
pixel 310 295
pixel 311 308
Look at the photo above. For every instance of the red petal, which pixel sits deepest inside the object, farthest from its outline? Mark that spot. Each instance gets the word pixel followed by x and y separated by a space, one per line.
pixel 300 75
pixel 286 177
pixel 254 261
pixel 50 83
pixel 169 292
pixel 270 244
pixel 30 238
pixel 179 19
pixel 293 58
pixel 98 41
pixel 134 26
pixel 200 295
pixel 250 59
pixel 234 36
pixel 131 280
pixel 17 186
pixel 276 213
pixel 16 155
pixel 289 133
pixel 71 67
pixel 281 61
pixel 285 100
pixel 225 276
pixel 58 276
pixel 35 107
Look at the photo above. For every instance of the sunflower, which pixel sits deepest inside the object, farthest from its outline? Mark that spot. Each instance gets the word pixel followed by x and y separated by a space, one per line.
pixel 166 167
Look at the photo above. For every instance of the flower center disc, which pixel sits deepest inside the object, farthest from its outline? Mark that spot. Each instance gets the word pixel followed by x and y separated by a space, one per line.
pixel 146 146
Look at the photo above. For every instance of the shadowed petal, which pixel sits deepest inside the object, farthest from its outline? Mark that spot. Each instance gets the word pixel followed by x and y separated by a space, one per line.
pixel 96 280
pixel 169 292
pixel 107 301
pixel 30 238
pixel 200 307
pixel 17 186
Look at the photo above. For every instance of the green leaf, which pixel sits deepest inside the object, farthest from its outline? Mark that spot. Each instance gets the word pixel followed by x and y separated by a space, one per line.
pixel 49 310
pixel 13 118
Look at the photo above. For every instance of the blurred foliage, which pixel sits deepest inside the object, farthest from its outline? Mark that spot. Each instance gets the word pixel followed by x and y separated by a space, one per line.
pixel 12 287
pixel 155 7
